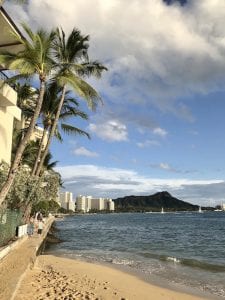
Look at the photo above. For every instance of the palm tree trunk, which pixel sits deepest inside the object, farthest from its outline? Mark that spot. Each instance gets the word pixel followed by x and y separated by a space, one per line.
pixel 52 131
pixel 39 151
pixel 14 166
pixel 26 213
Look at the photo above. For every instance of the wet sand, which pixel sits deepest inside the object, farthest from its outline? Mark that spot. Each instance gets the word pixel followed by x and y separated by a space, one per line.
pixel 57 278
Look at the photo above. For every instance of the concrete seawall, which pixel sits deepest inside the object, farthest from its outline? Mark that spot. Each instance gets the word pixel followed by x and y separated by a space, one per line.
pixel 17 259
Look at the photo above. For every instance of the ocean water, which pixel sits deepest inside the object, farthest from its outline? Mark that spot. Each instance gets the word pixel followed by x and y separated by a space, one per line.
pixel 182 249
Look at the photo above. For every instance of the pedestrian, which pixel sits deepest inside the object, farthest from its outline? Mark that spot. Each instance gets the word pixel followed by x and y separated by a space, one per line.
pixel 30 230
pixel 39 216
pixel 40 226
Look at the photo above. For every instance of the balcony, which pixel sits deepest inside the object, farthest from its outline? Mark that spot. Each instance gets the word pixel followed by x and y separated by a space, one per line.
pixel 3 76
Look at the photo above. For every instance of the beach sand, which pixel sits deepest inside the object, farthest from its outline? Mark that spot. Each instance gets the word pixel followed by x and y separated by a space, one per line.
pixel 62 278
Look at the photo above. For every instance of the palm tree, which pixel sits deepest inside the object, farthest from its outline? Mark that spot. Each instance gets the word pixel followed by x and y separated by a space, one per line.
pixel 73 67
pixel 15 1
pixel 35 59
pixel 49 109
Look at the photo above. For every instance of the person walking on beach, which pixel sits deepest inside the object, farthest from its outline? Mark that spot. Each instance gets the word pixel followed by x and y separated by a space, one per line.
pixel 31 226
pixel 39 216
pixel 40 226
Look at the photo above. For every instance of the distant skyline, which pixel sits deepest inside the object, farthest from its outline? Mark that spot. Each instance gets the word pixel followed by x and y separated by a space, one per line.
pixel 162 125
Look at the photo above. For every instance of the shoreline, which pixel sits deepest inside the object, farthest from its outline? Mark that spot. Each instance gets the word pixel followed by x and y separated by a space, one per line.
pixel 57 277
pixel 150 279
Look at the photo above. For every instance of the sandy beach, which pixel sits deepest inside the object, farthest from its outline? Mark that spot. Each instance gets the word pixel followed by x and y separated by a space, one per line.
pixel 56 278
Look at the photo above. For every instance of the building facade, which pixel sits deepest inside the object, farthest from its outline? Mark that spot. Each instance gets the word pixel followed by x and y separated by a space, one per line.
pixel 66 201
pixel 9 112
pixel 88 203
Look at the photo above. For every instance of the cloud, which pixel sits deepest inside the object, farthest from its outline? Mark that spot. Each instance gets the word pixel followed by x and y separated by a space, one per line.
pixel 169 168
pixel 114 182
pixel 159 131
pixel 85 152
pixel 165 166
pixel 173 51
pixel 148 143
pixel 112 131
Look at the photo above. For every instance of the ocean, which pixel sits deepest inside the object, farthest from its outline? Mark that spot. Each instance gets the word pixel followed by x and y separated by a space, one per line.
pixel 181 250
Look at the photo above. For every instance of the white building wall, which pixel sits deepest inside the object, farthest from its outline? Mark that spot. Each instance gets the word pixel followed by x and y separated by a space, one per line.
pixel 87 203
pixel 111 205
pixel 8 113
pixel 66 201
pixel 81 203
pixel 71 205
pixel 98 203
pixel 64 204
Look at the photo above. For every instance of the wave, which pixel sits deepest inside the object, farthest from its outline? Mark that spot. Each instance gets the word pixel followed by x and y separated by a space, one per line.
pixel 193 263
pixel 203 265
pixel 124 262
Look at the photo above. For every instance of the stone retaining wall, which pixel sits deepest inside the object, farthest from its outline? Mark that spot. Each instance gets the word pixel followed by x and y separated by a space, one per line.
pixel 17 259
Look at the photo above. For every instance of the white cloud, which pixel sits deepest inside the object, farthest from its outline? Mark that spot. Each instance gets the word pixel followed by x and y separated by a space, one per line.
pixel 148 143
pixel 167 167
pixel 114 182
pixel 159 131
pixel 112 131
pixel 171 52
pixel 164 166
pixel 85 152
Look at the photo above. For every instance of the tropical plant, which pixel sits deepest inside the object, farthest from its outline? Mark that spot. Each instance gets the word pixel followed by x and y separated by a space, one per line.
pixel 73 67
pixel 34 59
pixel 49 109
pixel 46 207
pixel 28 190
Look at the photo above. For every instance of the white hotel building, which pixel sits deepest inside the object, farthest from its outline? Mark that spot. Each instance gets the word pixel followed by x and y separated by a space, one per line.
pixel 87 203
pixel 66 201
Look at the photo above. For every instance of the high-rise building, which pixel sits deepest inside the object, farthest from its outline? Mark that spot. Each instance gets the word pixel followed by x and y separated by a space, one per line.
pixel 83 203
pixel 66 201
pixel 110 205
pixel 98 203
pixel 87 203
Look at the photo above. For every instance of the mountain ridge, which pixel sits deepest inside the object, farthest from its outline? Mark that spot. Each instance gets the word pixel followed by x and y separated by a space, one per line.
pixel 153 202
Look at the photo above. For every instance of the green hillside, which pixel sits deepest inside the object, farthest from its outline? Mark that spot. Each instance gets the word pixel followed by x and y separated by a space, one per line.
pixel 153 203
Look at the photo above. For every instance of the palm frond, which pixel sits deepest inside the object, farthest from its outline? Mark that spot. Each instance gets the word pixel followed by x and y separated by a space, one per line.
pixel 48 165
pixel 35 58
pixel 72 112
pixel 90 68
pixel 58 135
pixel 74 130
pixel 82 88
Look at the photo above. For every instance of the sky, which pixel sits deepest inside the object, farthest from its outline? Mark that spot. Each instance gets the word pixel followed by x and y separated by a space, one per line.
pixel 161 126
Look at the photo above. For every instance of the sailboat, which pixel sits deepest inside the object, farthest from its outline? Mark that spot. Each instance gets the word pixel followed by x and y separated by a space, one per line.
pixel 162 211
pixel 200 209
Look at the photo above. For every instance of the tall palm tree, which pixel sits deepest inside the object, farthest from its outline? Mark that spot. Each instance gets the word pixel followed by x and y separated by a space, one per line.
pixel 48 112
pixel 35 59
pixel 73 67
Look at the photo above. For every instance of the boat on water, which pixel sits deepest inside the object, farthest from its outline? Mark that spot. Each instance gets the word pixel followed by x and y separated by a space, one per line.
pixel 200 210
pixel 162 211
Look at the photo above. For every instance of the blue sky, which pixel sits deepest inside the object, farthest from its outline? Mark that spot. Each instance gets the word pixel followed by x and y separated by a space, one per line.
pixel 162 125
